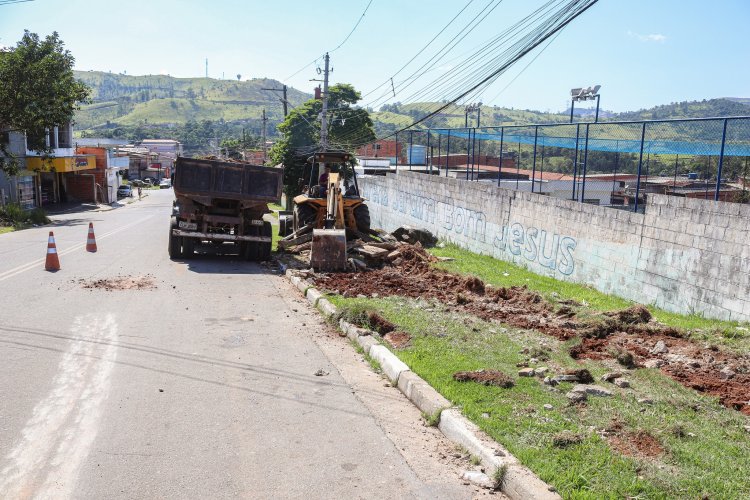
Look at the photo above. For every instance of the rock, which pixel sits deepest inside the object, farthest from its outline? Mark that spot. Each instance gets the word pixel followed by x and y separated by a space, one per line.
pixel 548 381
pixel 548 406
pixel 564 378
pixel 526 372
pixel 582 375
pixel 747 428
pixel 576 396
pixel 478 478
pixel 321 373
pixel 485 415
pixel 727 373
pixel 541 371
pixel 653 363
pixel 622 383
pixel 533 361
pixel 645 401
pixel 413 236
pixel 593 390
pixel 660 348
pixel 609 377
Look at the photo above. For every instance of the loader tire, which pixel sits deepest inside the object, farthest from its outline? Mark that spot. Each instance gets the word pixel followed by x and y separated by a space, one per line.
pixel 362 216
pixel 303 215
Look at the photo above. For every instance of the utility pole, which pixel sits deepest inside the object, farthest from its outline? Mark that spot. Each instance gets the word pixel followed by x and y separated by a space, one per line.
pixel 324 118
pixel 264 120
pixel 283 100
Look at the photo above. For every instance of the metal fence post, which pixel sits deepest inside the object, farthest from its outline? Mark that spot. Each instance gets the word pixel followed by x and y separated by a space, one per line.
pixel 428 154
pixel 447 154
pixel 585 163
pixel 640 165
pixel 721 160
pixel 468 153
pixel 410 152
pixel 479 153
pixel 473 153
pixel 500 167
pixel 440 139
pixel 397 152
pixel 575 163
pixel 533 163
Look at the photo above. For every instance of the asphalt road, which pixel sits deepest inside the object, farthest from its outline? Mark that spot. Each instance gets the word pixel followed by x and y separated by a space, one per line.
pixel 202 385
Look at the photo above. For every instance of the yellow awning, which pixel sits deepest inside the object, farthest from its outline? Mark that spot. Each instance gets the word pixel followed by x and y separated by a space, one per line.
pixel 61 163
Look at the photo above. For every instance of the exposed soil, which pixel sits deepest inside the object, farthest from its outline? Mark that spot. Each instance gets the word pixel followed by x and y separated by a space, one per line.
pixel 485 377
pixel 380 324
pixel 639 444
pixel 398 340
pixel 630 335
pixel 121 283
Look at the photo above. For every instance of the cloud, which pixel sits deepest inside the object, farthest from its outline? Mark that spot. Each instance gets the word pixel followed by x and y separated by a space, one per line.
pixel 653 37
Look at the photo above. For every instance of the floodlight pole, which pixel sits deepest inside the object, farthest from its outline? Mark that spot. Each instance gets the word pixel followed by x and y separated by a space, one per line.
pixel 596 117
pixel 572 105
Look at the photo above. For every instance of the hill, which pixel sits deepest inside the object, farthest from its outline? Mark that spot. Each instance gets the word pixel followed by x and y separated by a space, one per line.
pixel 125 100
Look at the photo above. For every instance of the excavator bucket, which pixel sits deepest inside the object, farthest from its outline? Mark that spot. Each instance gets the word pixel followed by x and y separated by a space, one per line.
pixel 328 251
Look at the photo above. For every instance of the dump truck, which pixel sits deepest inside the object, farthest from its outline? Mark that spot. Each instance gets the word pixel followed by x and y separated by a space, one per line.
pixel 223 202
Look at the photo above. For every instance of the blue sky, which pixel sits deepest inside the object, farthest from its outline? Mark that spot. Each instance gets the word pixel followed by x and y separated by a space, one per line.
pixel 643 53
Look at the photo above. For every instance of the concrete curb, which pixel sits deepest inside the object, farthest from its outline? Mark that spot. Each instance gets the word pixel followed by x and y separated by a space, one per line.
pixel 519 483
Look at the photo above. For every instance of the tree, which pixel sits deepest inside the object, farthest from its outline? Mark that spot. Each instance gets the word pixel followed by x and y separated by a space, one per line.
pixel 348 127
pixel 37 89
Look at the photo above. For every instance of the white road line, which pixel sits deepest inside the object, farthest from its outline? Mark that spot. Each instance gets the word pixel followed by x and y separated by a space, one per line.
pixel 57 439
pixel 34 264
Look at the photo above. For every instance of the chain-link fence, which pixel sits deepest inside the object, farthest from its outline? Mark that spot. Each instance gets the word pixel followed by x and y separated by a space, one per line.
pixel 613 164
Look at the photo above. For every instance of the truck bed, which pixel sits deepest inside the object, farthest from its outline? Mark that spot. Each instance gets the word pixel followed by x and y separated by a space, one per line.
pixel 227 180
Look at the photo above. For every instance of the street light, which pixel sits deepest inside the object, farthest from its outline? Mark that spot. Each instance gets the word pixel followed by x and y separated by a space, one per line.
pixel 585 94
pixel 470 109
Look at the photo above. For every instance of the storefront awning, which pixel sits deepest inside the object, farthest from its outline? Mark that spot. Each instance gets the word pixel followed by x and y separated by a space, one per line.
pixel 61 163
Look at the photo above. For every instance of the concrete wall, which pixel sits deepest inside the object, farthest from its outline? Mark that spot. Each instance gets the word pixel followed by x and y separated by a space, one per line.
pixel 683 255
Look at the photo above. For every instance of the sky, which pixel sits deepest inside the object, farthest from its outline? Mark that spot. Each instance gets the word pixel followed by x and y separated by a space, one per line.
pixel 642 52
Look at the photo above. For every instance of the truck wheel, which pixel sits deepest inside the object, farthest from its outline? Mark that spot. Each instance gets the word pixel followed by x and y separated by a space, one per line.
pixel 250 248
pixel 174 241
pixel 362 216
pixel 188 248
pixel 265 247
pixel 303 215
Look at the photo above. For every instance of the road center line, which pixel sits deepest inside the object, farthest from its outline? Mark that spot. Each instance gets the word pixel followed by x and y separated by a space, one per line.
pixel 34 264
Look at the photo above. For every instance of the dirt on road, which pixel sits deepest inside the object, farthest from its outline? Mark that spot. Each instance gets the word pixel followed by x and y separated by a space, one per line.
pixel 630 336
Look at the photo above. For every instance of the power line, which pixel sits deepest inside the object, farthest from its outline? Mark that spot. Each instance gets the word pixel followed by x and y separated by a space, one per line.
pixel 354 28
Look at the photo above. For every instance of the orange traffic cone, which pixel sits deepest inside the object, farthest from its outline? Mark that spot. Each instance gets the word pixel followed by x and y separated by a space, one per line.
pixel 91 240
pixel 53 262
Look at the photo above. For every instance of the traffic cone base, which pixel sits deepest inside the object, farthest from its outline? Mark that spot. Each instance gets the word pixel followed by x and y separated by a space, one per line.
pixel 91 240
pixel 52 263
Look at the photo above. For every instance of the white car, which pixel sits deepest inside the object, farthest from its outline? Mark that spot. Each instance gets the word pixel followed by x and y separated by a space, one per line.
pixel 165 184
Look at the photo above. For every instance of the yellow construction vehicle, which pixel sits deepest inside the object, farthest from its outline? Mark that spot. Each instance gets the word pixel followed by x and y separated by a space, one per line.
pixel 325 212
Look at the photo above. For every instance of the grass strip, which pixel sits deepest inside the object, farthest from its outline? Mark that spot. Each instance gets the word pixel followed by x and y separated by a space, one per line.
pixel 700 448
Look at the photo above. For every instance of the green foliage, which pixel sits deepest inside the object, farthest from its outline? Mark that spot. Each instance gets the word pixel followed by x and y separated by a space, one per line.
pixel 12 215
pixel 37 88
pixel 347 127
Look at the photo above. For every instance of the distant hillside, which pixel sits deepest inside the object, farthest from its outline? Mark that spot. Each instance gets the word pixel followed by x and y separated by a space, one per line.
pixel 161 100
pixel 690 109
pixel 158 101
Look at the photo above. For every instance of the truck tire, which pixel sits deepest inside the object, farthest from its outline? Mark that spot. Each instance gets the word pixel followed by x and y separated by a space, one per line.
pixel 175 250
pixel 362 216
pixel 250 249
pixel 265 247
pixel 188 248
pixel 303 215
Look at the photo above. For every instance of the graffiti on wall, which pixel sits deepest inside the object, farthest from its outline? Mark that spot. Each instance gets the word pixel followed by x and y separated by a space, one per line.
pixel 549 250
pixel 537 245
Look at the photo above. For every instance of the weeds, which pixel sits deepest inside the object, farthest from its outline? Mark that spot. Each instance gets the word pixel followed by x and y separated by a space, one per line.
pixel 14 216
pixel 498 477
pixel 432 420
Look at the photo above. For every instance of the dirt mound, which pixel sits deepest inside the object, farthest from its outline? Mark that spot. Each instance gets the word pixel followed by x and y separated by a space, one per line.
pixel 485 377
pixel 398 340
pixel 121 283
pixel 379 323
pixel 629 335
pixel 637 444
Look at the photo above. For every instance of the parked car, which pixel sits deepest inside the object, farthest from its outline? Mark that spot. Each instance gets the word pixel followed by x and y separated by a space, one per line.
pixel 124 191
pixel 149 181
pixel 136 182
pixel 165 184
